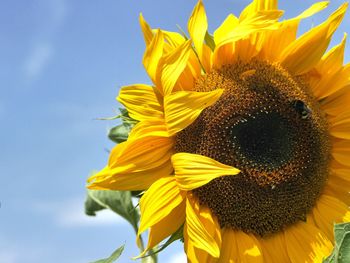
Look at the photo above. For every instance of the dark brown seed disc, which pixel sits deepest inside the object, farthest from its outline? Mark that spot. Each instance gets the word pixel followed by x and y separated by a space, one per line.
pixel 267 125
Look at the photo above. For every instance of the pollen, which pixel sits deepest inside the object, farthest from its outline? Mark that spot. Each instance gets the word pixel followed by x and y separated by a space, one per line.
pixel 268 125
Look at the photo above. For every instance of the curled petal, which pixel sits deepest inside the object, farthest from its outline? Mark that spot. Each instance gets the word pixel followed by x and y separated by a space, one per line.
pixel 183 107
pixel 194 170
pixel 202 228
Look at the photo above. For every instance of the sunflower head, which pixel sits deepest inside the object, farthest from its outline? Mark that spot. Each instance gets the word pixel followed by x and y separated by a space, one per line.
pixel 242 141
pixel 268 126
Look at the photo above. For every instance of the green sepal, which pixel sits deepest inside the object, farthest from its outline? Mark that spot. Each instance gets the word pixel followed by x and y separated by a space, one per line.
pixel 115 255
pixel 341 251
pixel 120 133
pixel 209 40
pixel 182 32
pixel 124 112
pixel 118 201
pixel 124 115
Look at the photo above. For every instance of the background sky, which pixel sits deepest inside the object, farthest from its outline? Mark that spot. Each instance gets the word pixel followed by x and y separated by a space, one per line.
pixel 61 65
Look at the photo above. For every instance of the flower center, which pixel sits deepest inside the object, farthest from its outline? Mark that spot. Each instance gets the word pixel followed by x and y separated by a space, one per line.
pixel 267 125
pixel 264 138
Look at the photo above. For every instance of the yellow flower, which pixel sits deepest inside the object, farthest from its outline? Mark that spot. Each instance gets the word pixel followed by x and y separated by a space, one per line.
pixel 244 138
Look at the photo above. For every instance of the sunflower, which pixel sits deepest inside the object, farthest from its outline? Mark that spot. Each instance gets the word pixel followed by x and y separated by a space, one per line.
pixel 243 139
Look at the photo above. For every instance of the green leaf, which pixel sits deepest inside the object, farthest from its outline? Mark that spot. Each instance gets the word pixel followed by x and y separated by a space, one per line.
pixel 120 133
pixel 341 251
pixel 116 254
pixel 91 206
pixel 119 202
pixel 209 40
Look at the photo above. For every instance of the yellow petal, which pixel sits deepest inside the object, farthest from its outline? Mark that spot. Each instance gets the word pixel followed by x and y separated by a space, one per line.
pixel 152 56
pixel 305 52
pixel 199 228
pixel 340 126
pixel 338 187
pixel 258 5
pixel 194 170
pixel 140 154
pixel 337 103
pixel 224 54
pixel 193 68
pixel 186 80
pixel 333 60
pixel 207 58
pixel 341 152
pixel 117 151
pixel 167 226
pixel 99 176
pixel 246 49
pixel 249 248
pixel 330 83
pixel 183 107
pixel 306 243
pixel 174 64
pixel 261 20
pixel 266 44
pixel 313 9
pixel 274 248
pixel 341 172
pixel 149 128
pixel 174 39
pixel 159 200
pixel 237 39
pixel 229 250
pixel 146 30
pixel 225 28
pixel 276 40
pixel 197 27
pixel 327 212
pixel 242 41
pixel 141 102
pixel 194 254
pixel 108 179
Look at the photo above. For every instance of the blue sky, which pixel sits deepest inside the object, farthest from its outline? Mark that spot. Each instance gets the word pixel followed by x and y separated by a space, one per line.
pixel 61 65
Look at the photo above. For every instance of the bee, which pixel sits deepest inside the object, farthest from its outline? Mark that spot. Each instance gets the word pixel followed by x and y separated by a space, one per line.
pixel 302 109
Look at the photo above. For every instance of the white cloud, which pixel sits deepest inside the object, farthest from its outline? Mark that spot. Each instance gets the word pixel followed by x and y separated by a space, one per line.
pixel 178 258
pixel 43 51
pixel 38 59
pixel 70 213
